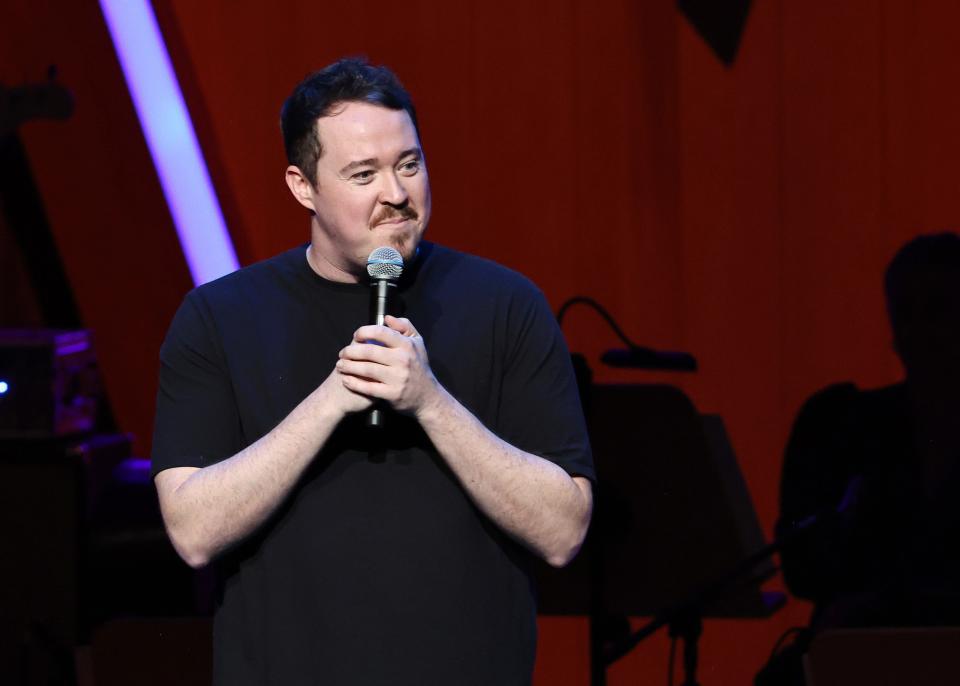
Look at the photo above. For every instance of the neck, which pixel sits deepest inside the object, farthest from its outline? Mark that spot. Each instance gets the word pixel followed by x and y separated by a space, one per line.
pixel 327 269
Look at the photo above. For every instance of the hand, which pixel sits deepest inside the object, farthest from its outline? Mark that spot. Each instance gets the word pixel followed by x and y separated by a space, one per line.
pixel 344 400
pixel 389 362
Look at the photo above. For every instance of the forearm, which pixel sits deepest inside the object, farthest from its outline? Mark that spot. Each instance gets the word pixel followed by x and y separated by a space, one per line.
pixel 527 496
pixel 208 510
pixel 532 499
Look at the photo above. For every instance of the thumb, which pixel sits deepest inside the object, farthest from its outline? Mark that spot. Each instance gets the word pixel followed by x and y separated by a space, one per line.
pixel 400 325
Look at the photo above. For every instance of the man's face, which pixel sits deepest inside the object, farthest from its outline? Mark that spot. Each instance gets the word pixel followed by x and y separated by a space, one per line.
pixel 372 189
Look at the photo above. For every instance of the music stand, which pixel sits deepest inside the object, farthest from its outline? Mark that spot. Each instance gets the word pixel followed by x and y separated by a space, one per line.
pixel 673 521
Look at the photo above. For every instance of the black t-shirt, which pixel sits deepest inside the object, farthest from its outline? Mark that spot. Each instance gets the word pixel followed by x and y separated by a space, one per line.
pixel 377 569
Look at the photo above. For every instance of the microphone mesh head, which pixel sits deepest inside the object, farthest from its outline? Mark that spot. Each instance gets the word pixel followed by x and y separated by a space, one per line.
pixel 385 263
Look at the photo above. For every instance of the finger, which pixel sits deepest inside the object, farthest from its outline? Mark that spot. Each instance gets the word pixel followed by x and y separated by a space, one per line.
pixel 351 391
pixel 369 389
pixel 365 351
pixel 372 333
pixel 401 325
pixel 366 370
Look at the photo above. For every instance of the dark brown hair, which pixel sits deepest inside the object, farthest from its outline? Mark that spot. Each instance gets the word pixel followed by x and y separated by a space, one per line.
pixel 351 79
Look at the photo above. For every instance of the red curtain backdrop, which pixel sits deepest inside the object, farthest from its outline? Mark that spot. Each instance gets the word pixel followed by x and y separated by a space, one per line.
pixel 745 213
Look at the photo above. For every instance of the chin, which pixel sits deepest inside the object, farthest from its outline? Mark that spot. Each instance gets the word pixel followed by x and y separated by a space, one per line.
pixel 406 243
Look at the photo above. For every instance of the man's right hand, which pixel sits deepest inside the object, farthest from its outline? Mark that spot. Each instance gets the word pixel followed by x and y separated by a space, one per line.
pixel 341 397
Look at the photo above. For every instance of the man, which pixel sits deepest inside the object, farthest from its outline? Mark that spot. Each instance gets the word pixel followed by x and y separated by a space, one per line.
pixel 352 555
pixel 869 513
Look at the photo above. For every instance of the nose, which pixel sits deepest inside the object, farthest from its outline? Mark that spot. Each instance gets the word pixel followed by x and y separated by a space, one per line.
pixel 393 192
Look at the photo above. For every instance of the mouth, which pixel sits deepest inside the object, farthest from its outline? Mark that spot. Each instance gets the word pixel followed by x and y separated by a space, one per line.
pixel 395 217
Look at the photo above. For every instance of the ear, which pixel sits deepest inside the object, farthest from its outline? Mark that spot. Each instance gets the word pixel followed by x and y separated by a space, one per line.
pixel 299 186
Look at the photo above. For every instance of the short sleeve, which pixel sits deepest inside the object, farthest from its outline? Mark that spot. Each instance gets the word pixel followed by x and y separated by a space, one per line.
pixel 540 408
pixel 197 421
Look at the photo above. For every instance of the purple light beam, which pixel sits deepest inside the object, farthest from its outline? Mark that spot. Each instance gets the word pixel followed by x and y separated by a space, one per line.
pixel 170 137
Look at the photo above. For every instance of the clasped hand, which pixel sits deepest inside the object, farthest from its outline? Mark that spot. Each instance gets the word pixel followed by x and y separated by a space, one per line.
pixel 389 363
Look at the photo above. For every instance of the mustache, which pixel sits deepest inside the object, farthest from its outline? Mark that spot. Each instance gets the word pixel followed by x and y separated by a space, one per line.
pixel 389 213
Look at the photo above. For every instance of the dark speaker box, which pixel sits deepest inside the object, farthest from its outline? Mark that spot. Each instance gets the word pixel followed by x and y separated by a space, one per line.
pixel 45 491
pixel 49 384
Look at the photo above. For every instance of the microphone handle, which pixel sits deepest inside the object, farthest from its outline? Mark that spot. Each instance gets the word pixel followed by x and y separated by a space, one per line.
pixel 381 297
pixel 381 294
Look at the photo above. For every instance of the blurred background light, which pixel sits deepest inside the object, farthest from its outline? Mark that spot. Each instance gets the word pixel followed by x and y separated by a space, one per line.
pixel 171 139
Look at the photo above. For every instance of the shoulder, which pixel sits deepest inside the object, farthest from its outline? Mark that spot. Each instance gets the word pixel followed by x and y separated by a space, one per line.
pixel 841 411
pixel 885 397
pixel 824 416
pixel 232 299
pixel 847 398
pixel 506 304
pixel 253 282
pixel 831 398
pixel 455 267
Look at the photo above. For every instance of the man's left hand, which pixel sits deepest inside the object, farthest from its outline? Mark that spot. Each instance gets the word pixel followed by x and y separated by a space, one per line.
pixel 390 362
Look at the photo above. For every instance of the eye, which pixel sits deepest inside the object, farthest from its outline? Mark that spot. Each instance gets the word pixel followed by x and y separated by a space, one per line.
pixel 410 167
pixel 365 176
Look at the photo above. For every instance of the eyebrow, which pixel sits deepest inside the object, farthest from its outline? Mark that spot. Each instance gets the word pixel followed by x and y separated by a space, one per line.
pixel 372 161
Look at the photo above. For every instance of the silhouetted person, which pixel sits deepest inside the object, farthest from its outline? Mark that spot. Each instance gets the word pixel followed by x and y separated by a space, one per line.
pixel 870 491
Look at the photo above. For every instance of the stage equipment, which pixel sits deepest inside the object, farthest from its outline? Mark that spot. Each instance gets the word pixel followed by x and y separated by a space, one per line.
pixel 23 210
pixel 177 650
pixel 634 356
pixel 674 534
pixel 49 382
pixel 884 657
pixel 47 487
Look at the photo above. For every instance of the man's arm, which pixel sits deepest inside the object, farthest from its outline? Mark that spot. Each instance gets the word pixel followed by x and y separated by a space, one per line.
pixel 529 497
pixel 207 510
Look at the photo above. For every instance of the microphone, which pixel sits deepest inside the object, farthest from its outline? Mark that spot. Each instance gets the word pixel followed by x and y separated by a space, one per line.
pixel 384 265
